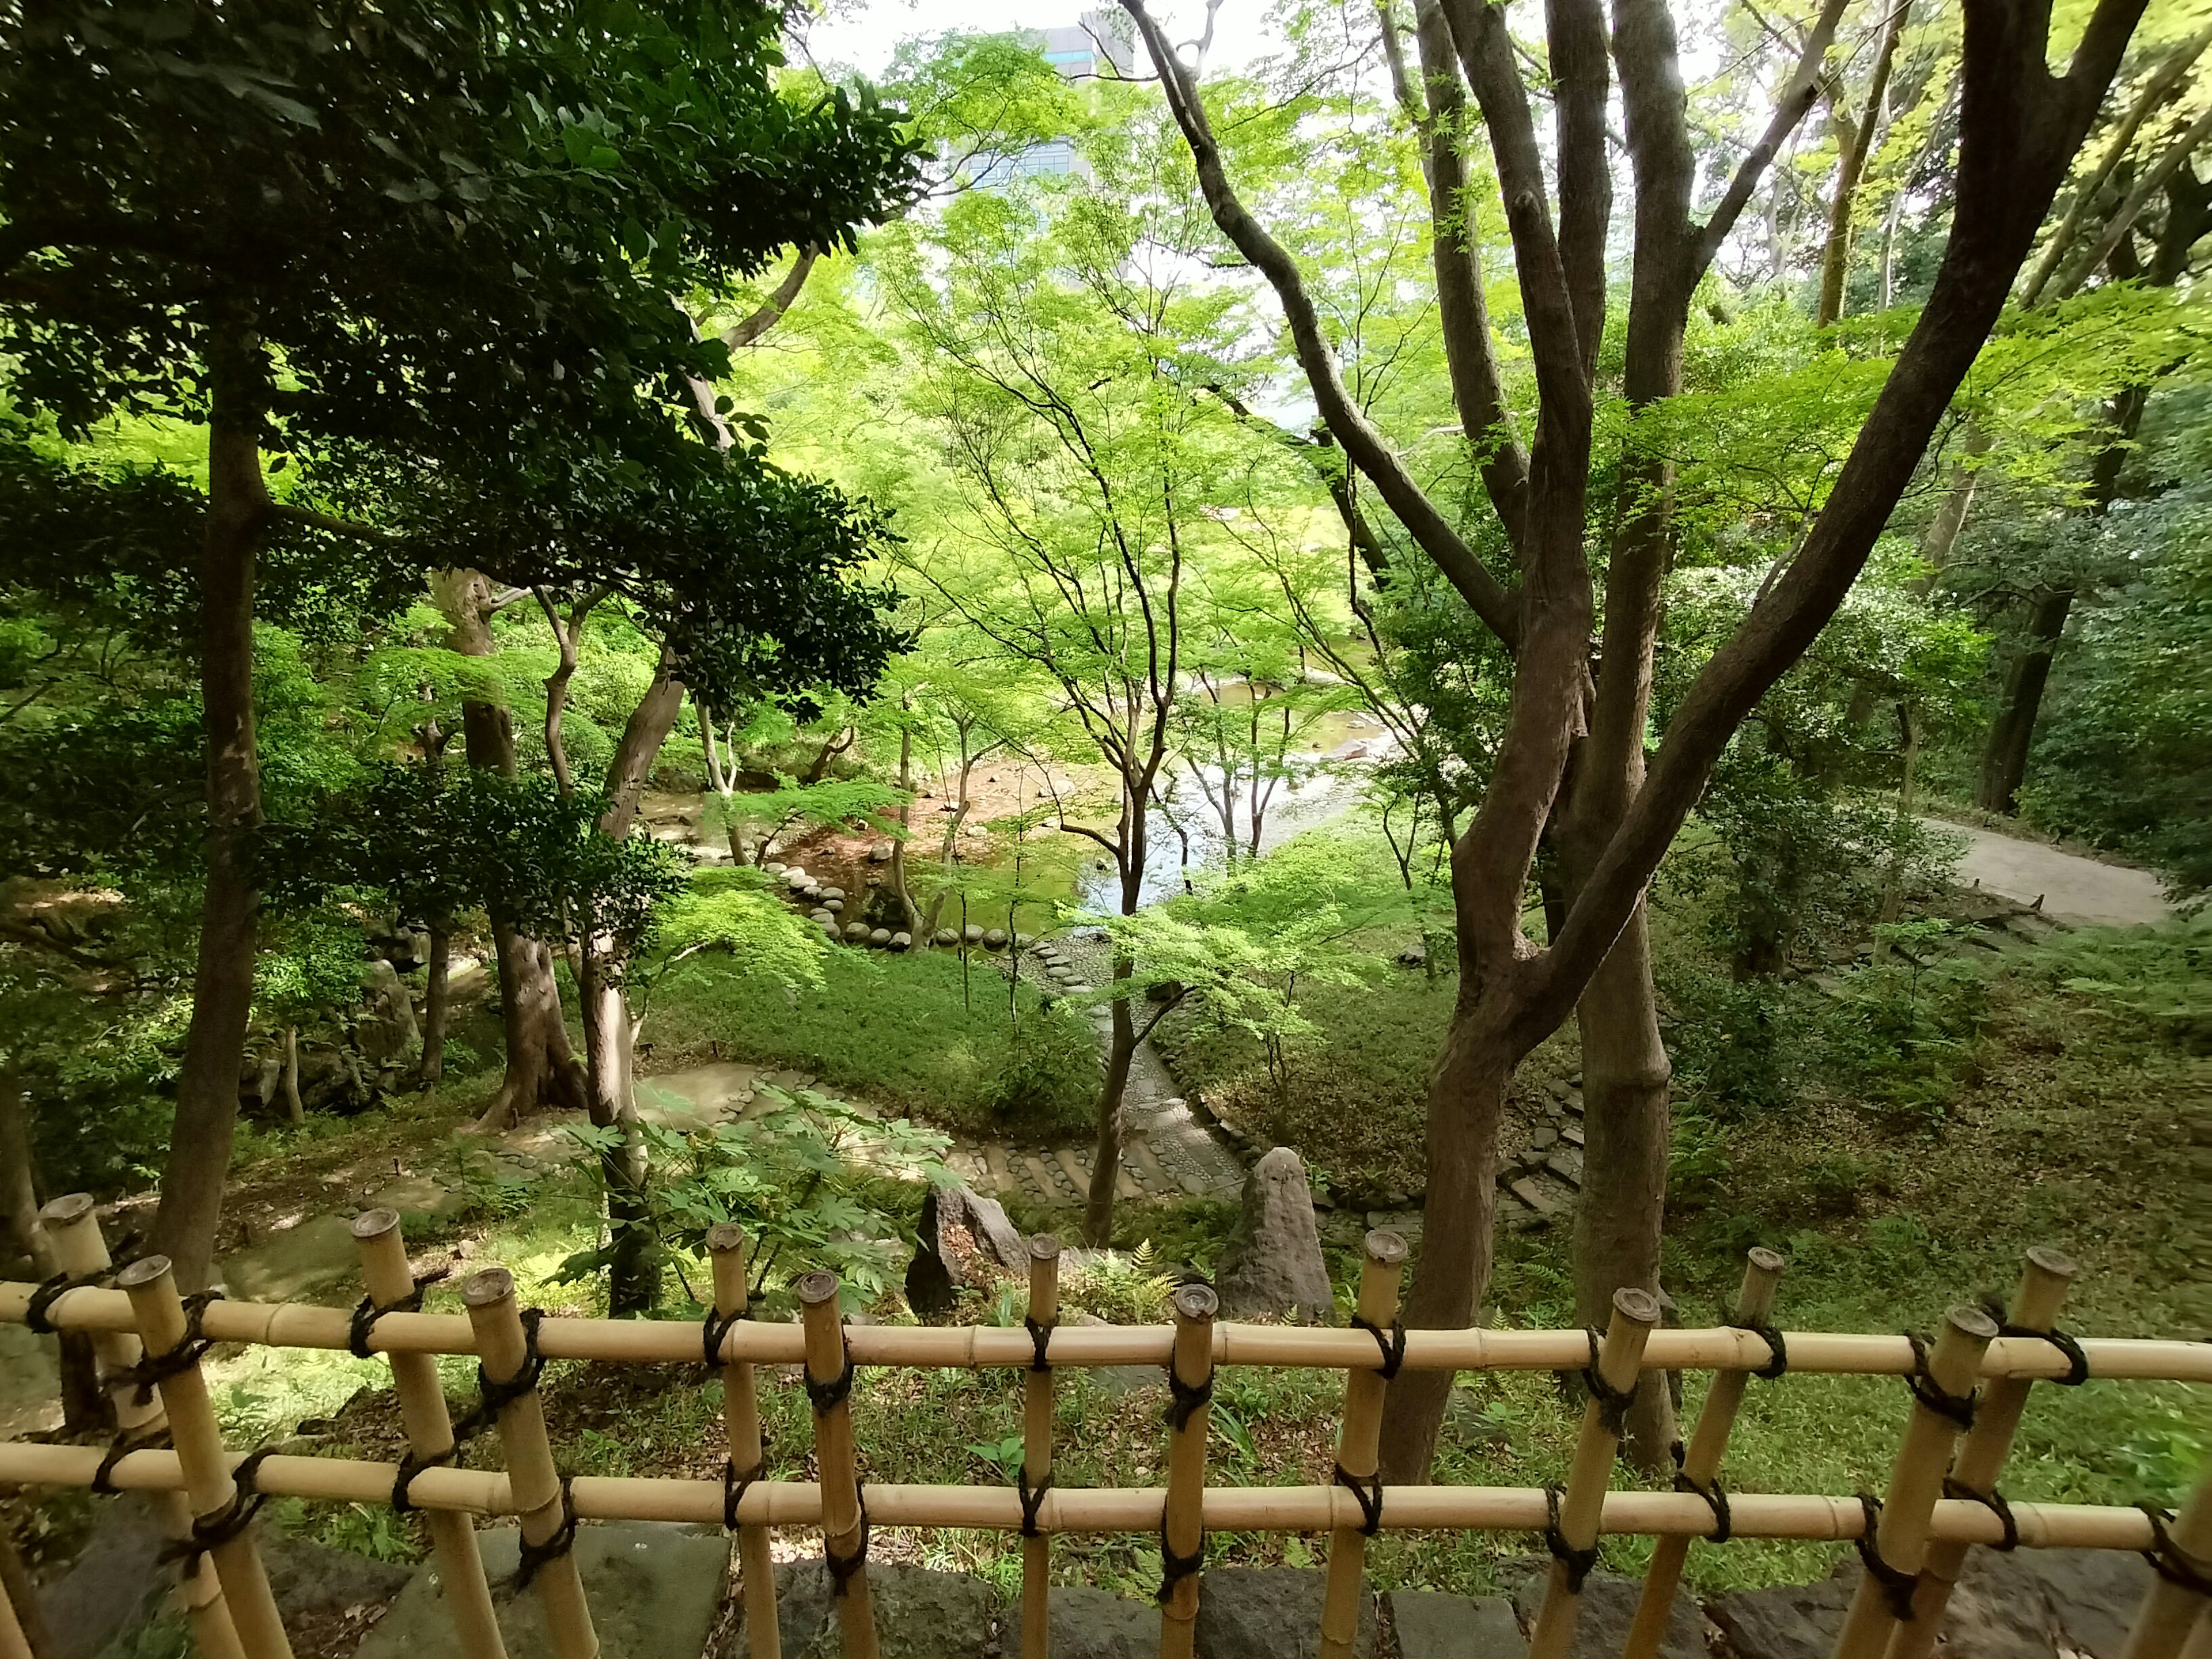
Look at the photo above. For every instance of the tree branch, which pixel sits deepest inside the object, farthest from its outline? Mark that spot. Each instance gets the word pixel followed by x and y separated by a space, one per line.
pixel 2123 220
pixel 772 309
pixel 1797 99
pixel 291 513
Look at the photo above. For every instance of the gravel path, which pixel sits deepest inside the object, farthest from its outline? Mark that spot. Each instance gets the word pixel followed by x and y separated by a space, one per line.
pixel 2071 887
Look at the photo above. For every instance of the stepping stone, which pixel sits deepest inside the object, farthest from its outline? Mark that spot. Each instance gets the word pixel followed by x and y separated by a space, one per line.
pixel 1002 1172
pixel 654 1590
pixel 1568 1166
pixel 1140 1153
pixel 1042 1181
pixel 1077 1168
pixel 1572 1134
pixel 1540 1199
pixel 295 1264
pixel 1434 1626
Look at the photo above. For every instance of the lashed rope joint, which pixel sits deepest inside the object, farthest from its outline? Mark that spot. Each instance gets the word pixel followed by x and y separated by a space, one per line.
pixel 2077 1361
pixel 1368 1489
pixel 734 1485
pixel 155 1369
pixel 827 1396
pixel 495 1396
pixel 1579 1563
pixel 2173 1563
pixel 1896 1584
pixel 1958 1408
pixel 153 1439
pixel 1186 1398
pixel 1390 1340
pixel 1777 1352
pixel 562 1540
pixel 713 1329
pixel 1040 1338
pixel 368 1311
pixel 220 1525
pixel 1993 1501
pixel 1613 1403
pixel 1175 1568
pixel 1032 1499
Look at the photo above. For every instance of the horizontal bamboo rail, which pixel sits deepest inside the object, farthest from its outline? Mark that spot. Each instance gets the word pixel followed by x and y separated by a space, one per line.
pixel 1812 1519
pixel 661 1342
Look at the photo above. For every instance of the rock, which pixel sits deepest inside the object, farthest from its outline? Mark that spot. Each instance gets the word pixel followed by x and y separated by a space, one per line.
pixel 820 914
pixel 811 893
pixel 880 853
pixel 653 1589
pixel 995 939
pixel 880 937
pixel 1434 1626
pixel 833 892
pixel 960 1233
pixel 901 939
pixel 774 868
pixel 920 1615
pixel 1413 956
pixel 1267 1612
pixel 2093 1594
pixel 1273 1264
pixel 834 906
pixel 387 1032
pixel 797 880
pixel 292 1266
pixel 855 931
pixel 1541 1137
pixel 1790 1621
pixel 1096 1624
pixel 830 930
pixel 114 1586
pixel 326 1595
pixel 1609 1609
pixel 973 934
pixel 1115 1381
pixel 945 936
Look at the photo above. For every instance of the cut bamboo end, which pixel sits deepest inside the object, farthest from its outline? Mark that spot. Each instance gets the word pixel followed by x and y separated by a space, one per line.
pixel 1386 1247
pixel 486 1287
pixel 374 1223
pixel 67 1209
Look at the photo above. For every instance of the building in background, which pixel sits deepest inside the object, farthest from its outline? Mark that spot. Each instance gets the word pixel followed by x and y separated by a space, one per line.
pixel 1098 44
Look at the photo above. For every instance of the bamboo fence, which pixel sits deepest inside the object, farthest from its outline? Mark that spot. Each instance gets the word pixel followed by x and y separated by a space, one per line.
pixel 1968 1389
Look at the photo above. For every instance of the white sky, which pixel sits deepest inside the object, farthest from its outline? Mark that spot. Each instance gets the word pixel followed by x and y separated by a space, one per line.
pixel 863 39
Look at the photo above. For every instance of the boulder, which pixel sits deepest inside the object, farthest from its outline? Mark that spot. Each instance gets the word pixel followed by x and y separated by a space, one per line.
pixel 880 853
pixel 1431 1624
pixel 920 1615
pixel 901 939
pixel 115 1585
pixel 386 1033
pixel 1268 1613
pixel 797 879
pixel 1273 1264
pixel 820 914
pixel 835 906
pixel 1096 1624
pixel 773 868
pixel 833 892
pixel 880 937
pixel 961 1235
pixel 811 893
pixel 856 932
pixel 1413 956
pixel 945 936
pixel 974 933
pixel 1609 1608
pixel 995 939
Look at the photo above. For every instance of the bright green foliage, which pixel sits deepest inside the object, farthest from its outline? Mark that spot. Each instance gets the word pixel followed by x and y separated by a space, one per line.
pixel 762 818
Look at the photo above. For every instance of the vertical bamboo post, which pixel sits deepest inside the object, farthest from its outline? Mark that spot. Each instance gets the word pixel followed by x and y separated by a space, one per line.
pixel 73 1234
pixel 534 1480
pixel 2170 1611
pixel 389 1278
pixel 2042 1286
pixel 1183 1523
pixel 22 1620
pixel 1619 1364
pixel 14 1644
pixel 1358 1445
pixel 1037 1449
pixel 726 1248
pixel 1916 1481
pixel 1701 1462
pixel 844 1523
pixel 208 1483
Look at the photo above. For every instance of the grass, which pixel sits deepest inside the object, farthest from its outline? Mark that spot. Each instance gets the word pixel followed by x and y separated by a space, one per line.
pixel 919 1031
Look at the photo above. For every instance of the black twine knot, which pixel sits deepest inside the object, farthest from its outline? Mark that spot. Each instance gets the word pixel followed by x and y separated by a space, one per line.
pixel 1896 1584
pixel 1958 1408
pixel 155 1369
pixel 219 1526
pixel 494 1396
pixel 1368 1489
pixel 713 1329
pixel 1716 1496
pixel 1032 1498
pixel 558 1544
pixel 1040 1338
pixel 36 1313
pixel 735 1483
pixel 1391 1341
pixel 2077 1361
pixel 410 1465
pixel 366 1312
pixel 1992 1500
pixel 842 1567
pixel 827 1396
pixel 1578 1563
pixel 1777 1352
pixel 2173 1563
pixel 1187 1397
pixel 1613 1403
pixel 1174 1568
pixel 153 1439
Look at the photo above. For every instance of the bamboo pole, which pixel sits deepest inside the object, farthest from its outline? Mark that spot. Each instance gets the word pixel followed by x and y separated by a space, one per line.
pixel 1916 1482
pixel 534 1480
pixel 1182 1516
pixel 1620 1360
pixel 2170 1609
pixel 388 1278
pixel 1701 1462
pixel 1104 1510
pixel 665 1342
pixel 23 1633
pixel 726 1248
pixel 208 1487
pixel 844 1522
pixel 14 1644
pixel 72 1229
pixel 1037 1449
pixel 1359 1447
pixel 2199 1645
pixel 2043 1283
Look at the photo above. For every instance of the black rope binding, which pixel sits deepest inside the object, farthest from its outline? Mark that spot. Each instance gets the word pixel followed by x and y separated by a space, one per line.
pixel 827 1396
pixel 734 1486
pixel 1040 1338
pixel 1716 1496
pixel 712 1329
pixel 1391 1340
pixel 842 1567
pixel 51 1291
pixel 366 1312
pixel 155 1369
pixel 564 1538
pixel 1613 1403
pixel 403 1483
pixel 2077 1363
pixel 1188 1398
pixel 1896 1584
pixel 1032 1499
pixel 1993 1501
pixel 494 1397
pixel 219 1526
pixel 1778 1361
pixel 1368 1489
pixel 1578 1563
pixel 2173 1563
pixel 1958 1407
pixel 153 1439
pixel 1174 1568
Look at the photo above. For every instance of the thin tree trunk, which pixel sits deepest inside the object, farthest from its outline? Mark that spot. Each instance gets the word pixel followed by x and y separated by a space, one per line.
pixel 1857 143
pixel 19 1190
pixel 223 983
pixel 2004 761
pixel 1106 1155
pixel 1950 519
pixel 288 1079
pixel 436 993
pixel 905 818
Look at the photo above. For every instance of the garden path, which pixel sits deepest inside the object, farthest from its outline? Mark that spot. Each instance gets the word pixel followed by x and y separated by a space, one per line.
pixel 2065 886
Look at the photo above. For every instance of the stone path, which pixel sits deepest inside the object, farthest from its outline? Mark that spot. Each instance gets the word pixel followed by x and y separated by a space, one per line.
pixel 2065 885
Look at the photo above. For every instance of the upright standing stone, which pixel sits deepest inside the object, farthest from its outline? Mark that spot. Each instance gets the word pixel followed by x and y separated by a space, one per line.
pixel 1273 1263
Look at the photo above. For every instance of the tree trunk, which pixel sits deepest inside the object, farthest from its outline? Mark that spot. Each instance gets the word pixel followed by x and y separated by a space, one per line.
pixel 19 1191
pixel 2004 762
pixel 905 819
pixel 436 993
pixel 223 983
pixel 1465 1105
pixel 542 1069
pixel 1106 1157
pixel 1855 145
pixel 288 1079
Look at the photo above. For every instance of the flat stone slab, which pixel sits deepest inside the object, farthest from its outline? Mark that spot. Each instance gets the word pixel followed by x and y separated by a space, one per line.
pixel 293 1264
pixel 920 1615
pixel 418 1195
pixel 654 1590
pixel 1609 1609
pixel 1269 1613
pixel 1094 1623
pixel 1433 1625
pixel 699 1096
pixel 30 1383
